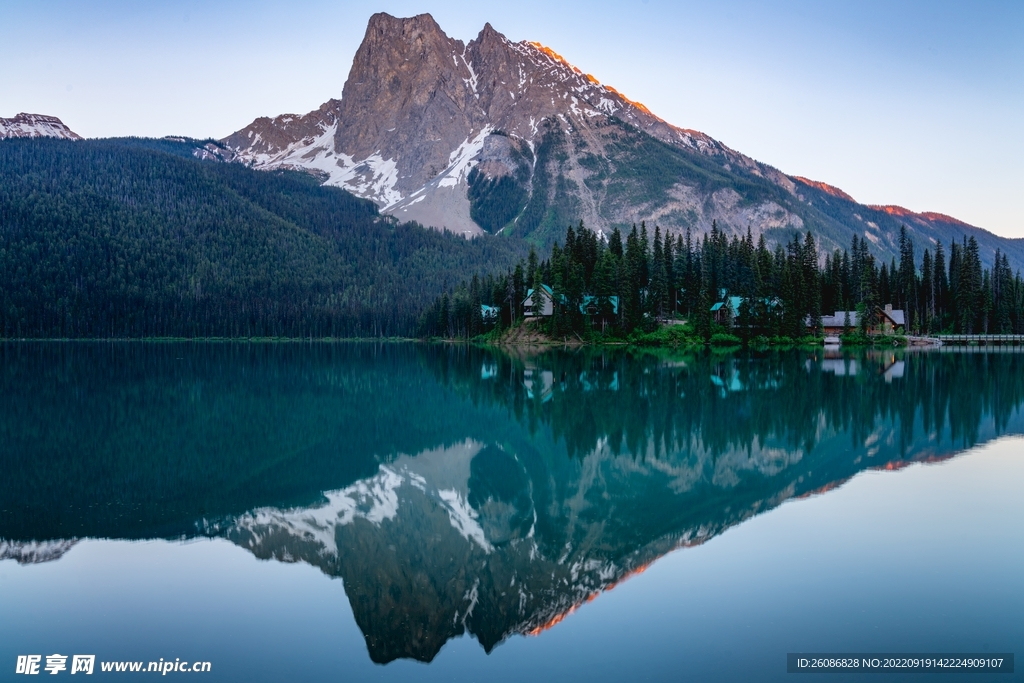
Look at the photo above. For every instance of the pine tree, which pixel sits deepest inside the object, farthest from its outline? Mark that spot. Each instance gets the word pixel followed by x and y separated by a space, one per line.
pixel 884 286
pixel 644 275
pixel 907 279
pixel 531 267
pixel 811 282
pixel 615 243
pixel 691 275
pixel 659 279
pixel 444 326
pixel 634 262
pixel 940 285
pixel 669 304
pixel 926 300
pixel 476 322
pixel 970 296
pixel 517 292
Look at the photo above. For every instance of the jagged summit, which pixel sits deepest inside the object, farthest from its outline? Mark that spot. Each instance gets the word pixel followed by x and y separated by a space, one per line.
pixel 35 126
pixel 502 136
pixel 418 106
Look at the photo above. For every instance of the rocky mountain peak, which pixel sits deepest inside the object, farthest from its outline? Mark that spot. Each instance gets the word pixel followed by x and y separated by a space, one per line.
pixel 488 46
pixel 35 126
pixel 405 100
pixel 385 28
pixel 495 135
pixel 418 107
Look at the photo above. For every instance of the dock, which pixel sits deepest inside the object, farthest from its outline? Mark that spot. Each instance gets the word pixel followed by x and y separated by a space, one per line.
pixel 981 339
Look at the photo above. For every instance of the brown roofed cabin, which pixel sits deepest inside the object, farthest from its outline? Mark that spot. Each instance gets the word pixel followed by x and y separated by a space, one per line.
pixel 887 320
pixel 884 321
pixel 836 323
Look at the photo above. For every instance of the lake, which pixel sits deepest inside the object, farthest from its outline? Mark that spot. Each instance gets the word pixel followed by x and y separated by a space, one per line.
pixel 401 512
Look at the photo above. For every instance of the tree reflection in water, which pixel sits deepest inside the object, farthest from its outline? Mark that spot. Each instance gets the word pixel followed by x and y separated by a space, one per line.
pixel 458 489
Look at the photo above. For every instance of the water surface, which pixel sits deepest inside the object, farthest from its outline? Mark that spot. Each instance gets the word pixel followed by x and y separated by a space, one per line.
pixel 412 512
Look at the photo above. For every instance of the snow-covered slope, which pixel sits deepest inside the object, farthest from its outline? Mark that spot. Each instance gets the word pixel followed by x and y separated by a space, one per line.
pixel 35 126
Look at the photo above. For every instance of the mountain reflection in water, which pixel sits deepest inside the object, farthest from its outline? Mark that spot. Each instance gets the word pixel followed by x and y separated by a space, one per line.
pixel 456 489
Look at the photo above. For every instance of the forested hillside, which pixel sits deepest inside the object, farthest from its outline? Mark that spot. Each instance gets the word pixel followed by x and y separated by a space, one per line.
pixel 136 238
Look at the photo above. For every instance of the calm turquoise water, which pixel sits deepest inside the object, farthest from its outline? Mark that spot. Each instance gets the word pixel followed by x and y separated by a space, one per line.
pixel 409 512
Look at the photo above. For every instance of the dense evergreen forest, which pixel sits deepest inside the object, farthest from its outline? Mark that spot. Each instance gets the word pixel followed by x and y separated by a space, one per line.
pixel 657 277
pixel 137 238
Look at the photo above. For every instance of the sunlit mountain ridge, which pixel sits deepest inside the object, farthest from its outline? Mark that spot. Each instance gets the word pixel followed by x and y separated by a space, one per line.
pixel 497 136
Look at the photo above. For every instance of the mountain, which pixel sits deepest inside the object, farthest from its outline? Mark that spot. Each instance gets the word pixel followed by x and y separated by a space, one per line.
pixel 501 136
pixel 35 126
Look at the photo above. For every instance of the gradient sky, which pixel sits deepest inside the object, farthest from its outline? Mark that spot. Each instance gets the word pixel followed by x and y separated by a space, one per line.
pixel 913 103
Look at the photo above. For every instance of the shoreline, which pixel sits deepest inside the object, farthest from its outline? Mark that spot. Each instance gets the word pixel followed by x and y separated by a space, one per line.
pixel 212 340
pixel 658 339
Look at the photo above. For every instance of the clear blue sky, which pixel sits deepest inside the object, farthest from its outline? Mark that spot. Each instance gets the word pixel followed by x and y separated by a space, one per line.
pixel 913 103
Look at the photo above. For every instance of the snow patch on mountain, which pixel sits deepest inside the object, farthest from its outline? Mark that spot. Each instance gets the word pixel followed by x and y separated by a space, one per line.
pixel 35 126
pixel 35 552
pixel 376 178
pixel 376 500
pixel 472 80
pixel 464 518
pixel 373 177
pixel 313 153
pixel 463 159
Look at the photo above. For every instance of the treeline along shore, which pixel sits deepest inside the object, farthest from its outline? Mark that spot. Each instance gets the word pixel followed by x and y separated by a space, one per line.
pixel 629 287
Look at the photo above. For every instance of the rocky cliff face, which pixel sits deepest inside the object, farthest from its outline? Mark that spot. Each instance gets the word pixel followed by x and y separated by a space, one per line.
pixel 420 110
pixel 35 126
pixel 498 136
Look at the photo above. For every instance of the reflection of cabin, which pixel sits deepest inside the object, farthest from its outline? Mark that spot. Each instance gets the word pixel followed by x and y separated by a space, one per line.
pixel 539 383
pixel 841 367
pixel 730 384
pixel 537 304
pixel 489 314
pixel 894 371
pixel 890 368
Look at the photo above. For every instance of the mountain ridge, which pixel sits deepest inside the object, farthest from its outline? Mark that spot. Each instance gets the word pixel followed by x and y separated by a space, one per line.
pixel 420 111
pixel 25 125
